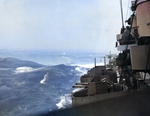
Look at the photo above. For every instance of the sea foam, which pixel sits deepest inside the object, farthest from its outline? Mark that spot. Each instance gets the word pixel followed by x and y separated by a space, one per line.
pixel 64 102
pixel 23 69
pixel 81 70
pixel 44 79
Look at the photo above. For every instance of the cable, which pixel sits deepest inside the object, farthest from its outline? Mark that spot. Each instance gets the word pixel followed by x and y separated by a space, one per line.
pixel 147 61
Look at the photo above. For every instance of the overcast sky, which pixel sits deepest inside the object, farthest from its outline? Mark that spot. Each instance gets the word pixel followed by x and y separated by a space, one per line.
pixel 89 25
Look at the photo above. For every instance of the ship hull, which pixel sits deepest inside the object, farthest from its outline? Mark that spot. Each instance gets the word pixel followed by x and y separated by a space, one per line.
pixel 134 103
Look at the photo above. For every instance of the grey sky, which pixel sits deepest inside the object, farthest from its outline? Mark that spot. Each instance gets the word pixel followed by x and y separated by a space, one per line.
pixel 89 25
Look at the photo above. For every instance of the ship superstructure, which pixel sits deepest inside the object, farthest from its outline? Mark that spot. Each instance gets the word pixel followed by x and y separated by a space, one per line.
pixel 134 42
pixel 124 91
pixel 132 64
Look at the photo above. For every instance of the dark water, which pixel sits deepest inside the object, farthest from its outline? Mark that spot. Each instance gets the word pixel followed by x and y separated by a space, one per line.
pixel 28 87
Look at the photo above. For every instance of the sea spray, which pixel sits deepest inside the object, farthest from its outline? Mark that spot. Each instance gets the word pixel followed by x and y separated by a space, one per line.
pixel 44 79
pixel 23 69
pixel 65 101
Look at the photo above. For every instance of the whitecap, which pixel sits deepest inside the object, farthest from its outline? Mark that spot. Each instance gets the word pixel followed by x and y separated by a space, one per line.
pixel 64 102
pixel 23 69
pixel 44 79
pixel 81 70
pixel 88 65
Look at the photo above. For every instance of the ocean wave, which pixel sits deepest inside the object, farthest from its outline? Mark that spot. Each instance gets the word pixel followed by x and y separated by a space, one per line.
pixel 86 65
pixel 82 70
pixel 22 83
pixel 83 65
pixel 44 79
pixel 5 69
pixel 66 59
pixel 23 69
pixel 4 87
pixel 90 65
pixel 65 101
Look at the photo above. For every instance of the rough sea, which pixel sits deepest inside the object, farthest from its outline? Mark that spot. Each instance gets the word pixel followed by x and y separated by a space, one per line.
pixel 36 82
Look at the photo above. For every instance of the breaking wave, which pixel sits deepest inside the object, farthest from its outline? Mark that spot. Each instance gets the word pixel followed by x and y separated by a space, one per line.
pixel 29 83
pixel 23 69
pixel 65 101
pixel 82 70
pixel 44 79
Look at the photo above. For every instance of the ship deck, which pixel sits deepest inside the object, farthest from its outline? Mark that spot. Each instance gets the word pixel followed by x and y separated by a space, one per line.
pixel 135 103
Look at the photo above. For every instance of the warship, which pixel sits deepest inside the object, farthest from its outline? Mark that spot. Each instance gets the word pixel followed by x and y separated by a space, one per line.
pixel 132 63
pixel 122 88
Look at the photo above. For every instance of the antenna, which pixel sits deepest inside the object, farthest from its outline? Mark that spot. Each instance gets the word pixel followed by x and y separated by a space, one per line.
pixel 122 29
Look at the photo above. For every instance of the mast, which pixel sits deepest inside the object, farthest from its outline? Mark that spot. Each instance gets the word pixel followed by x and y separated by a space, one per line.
pixel 122 29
